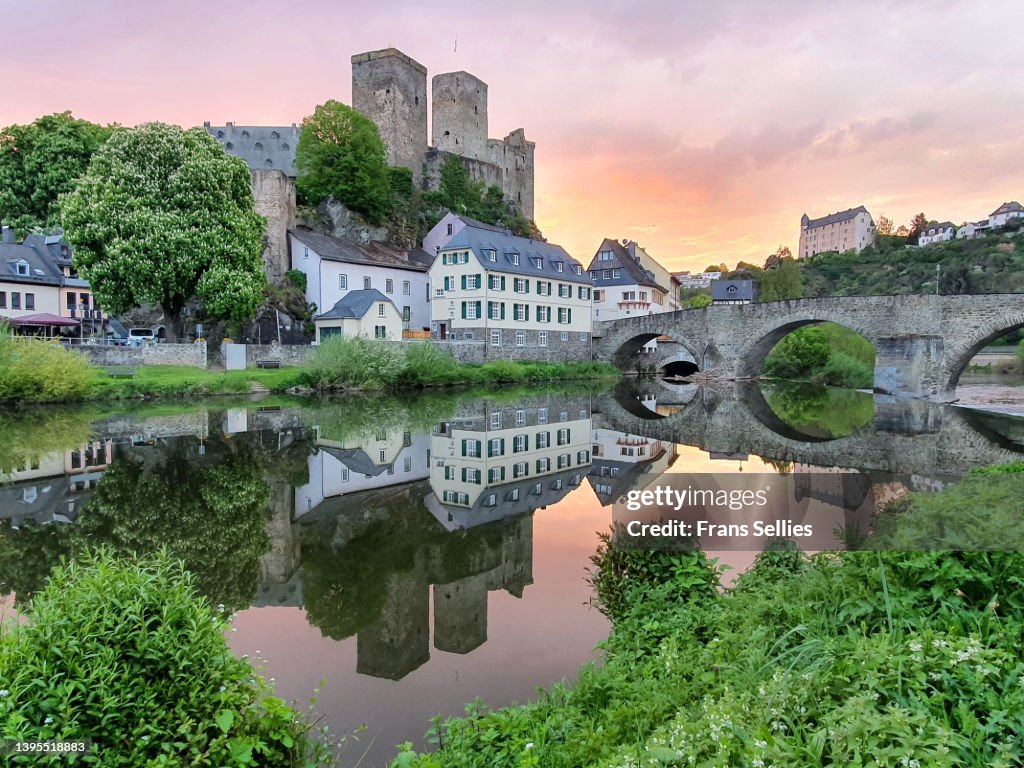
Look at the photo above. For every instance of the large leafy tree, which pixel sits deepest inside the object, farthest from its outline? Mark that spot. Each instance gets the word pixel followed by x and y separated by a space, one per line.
pixel 163 216
pixel 783 281
pixel 340 154
pixel 39 162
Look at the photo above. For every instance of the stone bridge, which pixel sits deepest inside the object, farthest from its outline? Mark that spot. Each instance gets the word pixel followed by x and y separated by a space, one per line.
pixel 905 437
pixel 922 343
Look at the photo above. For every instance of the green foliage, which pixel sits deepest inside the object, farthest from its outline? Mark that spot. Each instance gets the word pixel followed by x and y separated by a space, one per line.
pixel 296 278
pixel 163 216
pixel 39 162
pixel 340 155
pixel 459 193
pixel 781 282
pixel 34 370
pixel 850 361
pixel 367 364
pixel 850 658
pixel 699 301
pixel 126 655
pixel 1020 351
pixel 818 411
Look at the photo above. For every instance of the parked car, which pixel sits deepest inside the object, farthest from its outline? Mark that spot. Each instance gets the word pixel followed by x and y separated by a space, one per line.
pixel 137 336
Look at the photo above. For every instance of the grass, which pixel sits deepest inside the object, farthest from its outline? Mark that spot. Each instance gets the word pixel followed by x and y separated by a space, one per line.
pixel 182 381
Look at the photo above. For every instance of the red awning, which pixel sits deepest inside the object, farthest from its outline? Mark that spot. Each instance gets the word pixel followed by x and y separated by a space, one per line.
pixel 45 319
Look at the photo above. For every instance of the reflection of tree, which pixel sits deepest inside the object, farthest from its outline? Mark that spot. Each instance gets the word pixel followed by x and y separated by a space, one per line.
pixel 212 515
pixel 819 411
pixel 28 554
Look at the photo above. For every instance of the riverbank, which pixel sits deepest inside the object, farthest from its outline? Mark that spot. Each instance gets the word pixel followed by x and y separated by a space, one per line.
pixel 911 655
pixel 32 371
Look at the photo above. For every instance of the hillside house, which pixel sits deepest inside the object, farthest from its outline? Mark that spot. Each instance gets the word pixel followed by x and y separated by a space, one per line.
pixel 937 233
pixel 368 313
pixel 852 229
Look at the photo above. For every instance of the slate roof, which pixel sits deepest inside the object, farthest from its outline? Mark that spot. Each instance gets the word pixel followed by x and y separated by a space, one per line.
pixel 356 459
pixel 354 304
pixel 633 269
pixel 835 218
pixel 942 225
pixel 1010 207
pixel 732 290
pixel 377 254
pixel 480 238
pixel 263 147
pixel 42 261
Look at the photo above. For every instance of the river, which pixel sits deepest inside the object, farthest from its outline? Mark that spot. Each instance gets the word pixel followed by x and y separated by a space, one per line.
pixel 408 552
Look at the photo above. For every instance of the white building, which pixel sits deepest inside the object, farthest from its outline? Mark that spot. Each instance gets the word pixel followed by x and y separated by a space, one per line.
pixel 628 282
pixel 688 281
pixel 852 229
pixel 513 296
pixel 937 233
pixel 1004 213
pixel 623 462
pixel 334 267
pixel 368 313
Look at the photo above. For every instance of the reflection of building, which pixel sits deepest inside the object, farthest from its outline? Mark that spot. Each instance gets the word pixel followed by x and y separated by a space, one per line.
pixel 54 487
pixel 624 462
pixel 490 455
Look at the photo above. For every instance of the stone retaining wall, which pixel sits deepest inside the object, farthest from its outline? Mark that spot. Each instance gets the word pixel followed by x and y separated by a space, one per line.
pixel 287 354
pixel 192 355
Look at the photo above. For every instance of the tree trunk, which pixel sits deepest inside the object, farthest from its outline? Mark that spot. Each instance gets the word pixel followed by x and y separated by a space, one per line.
pixel 174 322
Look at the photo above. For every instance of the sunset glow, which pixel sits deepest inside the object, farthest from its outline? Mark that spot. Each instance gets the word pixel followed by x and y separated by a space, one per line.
pixel 702 130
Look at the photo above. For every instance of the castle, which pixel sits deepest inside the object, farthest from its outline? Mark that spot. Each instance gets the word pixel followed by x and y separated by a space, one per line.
pixel 391 89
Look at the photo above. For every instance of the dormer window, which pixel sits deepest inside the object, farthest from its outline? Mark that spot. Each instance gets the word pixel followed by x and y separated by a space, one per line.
pixel 558 266
pixel 577 269
pixel 491 254
pixel 514 258
pixel 538 262
pixel 21 267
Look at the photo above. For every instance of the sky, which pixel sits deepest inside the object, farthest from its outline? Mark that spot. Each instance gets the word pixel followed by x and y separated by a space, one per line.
pixel 702 130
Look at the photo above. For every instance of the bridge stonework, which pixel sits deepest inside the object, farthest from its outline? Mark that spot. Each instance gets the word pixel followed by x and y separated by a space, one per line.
pixel 922 343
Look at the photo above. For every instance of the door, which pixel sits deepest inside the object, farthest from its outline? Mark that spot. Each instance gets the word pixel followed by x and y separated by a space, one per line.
pixel 442 331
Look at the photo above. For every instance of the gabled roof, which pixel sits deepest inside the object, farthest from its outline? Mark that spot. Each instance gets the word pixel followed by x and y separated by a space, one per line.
pixel 262 147
pixel 835 218
pixel 504 244
pixel 732 290
pixel 376 254
pixel 942 225
pixel 1011 207
pixel 354 305
pixel 631 266
pixel 41 260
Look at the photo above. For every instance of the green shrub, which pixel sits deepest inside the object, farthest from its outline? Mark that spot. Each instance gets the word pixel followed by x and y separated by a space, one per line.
pixel 354 363
pixel 427 364
pixel 35 370
pixel 126 655
pixel 1020 351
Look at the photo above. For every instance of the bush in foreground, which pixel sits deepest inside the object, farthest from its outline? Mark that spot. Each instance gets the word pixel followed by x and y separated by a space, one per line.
pixel 38 371
pixel 888 659
pixel 126 655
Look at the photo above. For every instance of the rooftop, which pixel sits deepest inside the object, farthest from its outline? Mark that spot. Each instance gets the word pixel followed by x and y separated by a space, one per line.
pixel 633 268
pixel 835 218
pixel 505 246
pixel 732 290
pixel 1011 207
pixel 262 147
pixel 375 253
pixel 354 305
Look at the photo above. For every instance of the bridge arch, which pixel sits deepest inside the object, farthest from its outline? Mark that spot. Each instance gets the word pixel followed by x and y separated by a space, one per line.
pixel 959 356
pixel 753 357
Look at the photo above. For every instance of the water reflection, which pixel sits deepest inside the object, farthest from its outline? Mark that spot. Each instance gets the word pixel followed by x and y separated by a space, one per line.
pixel 401 532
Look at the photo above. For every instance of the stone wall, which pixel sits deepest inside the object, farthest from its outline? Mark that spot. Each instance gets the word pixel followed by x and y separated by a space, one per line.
pixel 479 170
pixel 514 155
pixel 479 349
pixel 391 89
pixel 459 117
pixel 287 354
pixel 274 193
pixel 192 355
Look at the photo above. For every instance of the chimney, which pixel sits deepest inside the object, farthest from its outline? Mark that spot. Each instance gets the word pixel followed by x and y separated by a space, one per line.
pixel 8 234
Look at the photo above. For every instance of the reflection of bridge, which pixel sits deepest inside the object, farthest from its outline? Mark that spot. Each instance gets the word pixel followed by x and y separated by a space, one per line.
pixel 906 437
pixel 922 343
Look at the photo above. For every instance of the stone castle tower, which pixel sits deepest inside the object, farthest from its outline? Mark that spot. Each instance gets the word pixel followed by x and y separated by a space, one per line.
pixel 390 88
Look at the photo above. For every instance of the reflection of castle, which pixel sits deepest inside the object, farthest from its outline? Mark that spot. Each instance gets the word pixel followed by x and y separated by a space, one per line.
pixel 54 488
pixel 624 462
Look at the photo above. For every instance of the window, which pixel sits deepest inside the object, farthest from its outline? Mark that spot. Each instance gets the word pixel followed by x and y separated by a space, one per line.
pixel 344 474
pixel 543 314
pixel 583 337
pixel 583 413
pixel 496 339
pixel 563 460
pixel 72 300
pixel 542 415
pixel 495 446
pixel 366 283
pixel 543 440
pixel 305 252
pixel 543 288
pixel 406 314
pixel 471 448
pixel 389 285
pixel 604 256
pixel 449 229
pixel 380 331
pixel 519 470
pixel 490 254
pixel 519 312
pixel 496 420
pixel 616 274
pixel 629 295
pixel 563 436
pixel 542 338
pixel 515 259
pixel 496 310
pixel 15 300
pixel 471 282
pixel 407 464
pixel 469 310
pixel 543 465
pixel 563 416
pixel 30 301
pixel 449 473
pixel 538 262
pixel 558 266
pixel 520 417
pixel 564 315
pixel 577 269
pixel 583 457
pixel 519 285
pixel 491 501
pixel 406 288
pixel 495 475
pixel 520 443
pixel 3 299
pixel 565 335
pixel 584 292
pixel 496 282
pixel 520 338
pixel 606 274
pixel 564 291
pixel 381 310
pixel 471 475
